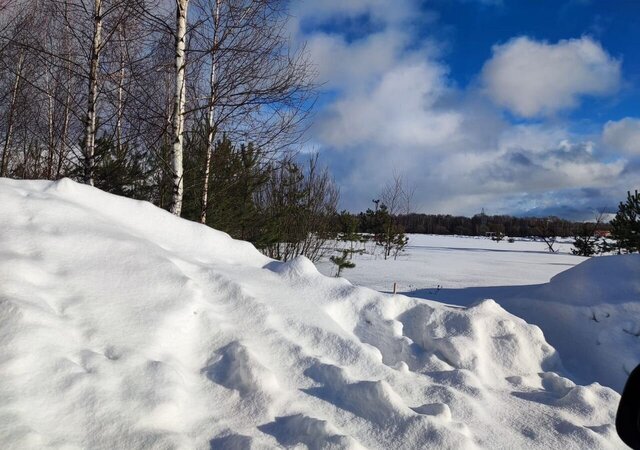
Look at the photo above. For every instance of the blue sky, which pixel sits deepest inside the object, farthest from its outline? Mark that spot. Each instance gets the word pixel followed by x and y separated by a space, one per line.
pixel 519 107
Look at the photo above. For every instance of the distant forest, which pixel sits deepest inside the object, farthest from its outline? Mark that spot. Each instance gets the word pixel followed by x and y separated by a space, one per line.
pixel 481 224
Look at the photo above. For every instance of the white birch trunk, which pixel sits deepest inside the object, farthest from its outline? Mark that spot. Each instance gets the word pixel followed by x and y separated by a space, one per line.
pixel 120 106
pixel 67 103
pixel 51 135
pixel 4 161
pixel 62 152
pixel 178 107
pixel 90 132
pixel 211 115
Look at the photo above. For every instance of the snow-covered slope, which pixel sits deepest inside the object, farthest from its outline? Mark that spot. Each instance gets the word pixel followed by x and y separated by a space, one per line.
pixel 588 308
pixel 122 326
pixel 592 315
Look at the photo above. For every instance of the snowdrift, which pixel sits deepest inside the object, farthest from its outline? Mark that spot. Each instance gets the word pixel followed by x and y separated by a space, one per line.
pixel 122 326
pixel 591 314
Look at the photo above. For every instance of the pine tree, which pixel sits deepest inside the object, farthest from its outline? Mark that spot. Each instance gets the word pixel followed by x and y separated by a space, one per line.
pixel 585 246
pixel 347 226
pixel 626 225
pixel 587 241
pixel 342 262
pixel 398 244
pixel 387 233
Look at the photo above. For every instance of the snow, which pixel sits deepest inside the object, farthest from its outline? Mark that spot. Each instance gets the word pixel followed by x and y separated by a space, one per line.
pixel 588 308
pixel 433 261
pixel 122 326
pixel 591 314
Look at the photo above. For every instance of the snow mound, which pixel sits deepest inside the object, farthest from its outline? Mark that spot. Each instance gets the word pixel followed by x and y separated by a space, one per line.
pixel 299 267
pixel 591 314
pixel 122 326
pixel 314 433
pixel 591 282
pixel 482 339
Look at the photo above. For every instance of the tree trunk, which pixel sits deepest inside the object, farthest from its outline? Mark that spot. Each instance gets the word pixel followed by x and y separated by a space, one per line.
pixel 4 161
pixel 51 136
pixel 90 132
pixel 62 152
pixel 65 128
pixel 120 107
pixel 178 107
pixel 211 127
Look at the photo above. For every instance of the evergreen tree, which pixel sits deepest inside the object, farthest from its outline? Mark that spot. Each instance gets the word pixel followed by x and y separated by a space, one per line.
pixel 587 242
pixel 585 246
pixel 237 174
pixel 398 244
pixel 626 225
pixel 347 226
pixel 120 171
pixel 386 232
pixel 342 262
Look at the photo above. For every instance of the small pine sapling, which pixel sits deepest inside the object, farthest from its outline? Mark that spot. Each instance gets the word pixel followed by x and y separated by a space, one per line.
pixel 584 246
pixel 587 240
pixel 342 262
pixel 399 243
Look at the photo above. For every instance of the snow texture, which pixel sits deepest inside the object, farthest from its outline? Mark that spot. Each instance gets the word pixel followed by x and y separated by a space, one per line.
pixel 122 326
pixel 588 308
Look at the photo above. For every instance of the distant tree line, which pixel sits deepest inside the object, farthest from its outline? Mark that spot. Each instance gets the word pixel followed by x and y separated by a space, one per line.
pixel 478 225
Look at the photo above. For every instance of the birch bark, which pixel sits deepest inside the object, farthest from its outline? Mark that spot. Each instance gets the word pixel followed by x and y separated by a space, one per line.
pixel 178 107
pixel 90 132
pixel 211 117
pixel 4 161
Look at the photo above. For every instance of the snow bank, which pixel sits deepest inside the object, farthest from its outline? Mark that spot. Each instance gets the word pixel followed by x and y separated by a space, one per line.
pixel 591 314
pixel 606 279
pixel 122 326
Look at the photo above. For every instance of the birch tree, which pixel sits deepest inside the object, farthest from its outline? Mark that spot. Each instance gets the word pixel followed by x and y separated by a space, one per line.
pixel 10 116
pixel 100 81
pixel 92 97
pixel 182 7
pixel 259 87
pixel 211 124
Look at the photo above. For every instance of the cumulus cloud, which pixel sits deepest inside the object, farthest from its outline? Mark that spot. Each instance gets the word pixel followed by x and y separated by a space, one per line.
pixel 532 78
pixel 397 111
pixel 623 135
pixel 344 66
pixel 568 180
pixel 531 166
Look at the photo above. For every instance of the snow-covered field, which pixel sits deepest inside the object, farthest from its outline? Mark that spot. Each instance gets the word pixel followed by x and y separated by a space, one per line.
pixel 458 262
pixel 122 326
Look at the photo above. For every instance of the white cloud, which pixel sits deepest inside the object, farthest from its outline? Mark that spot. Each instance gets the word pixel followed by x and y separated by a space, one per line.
pixel 537 163
pixel 346 66
pixel 623 135
pixel 533 78
pixel 398 111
